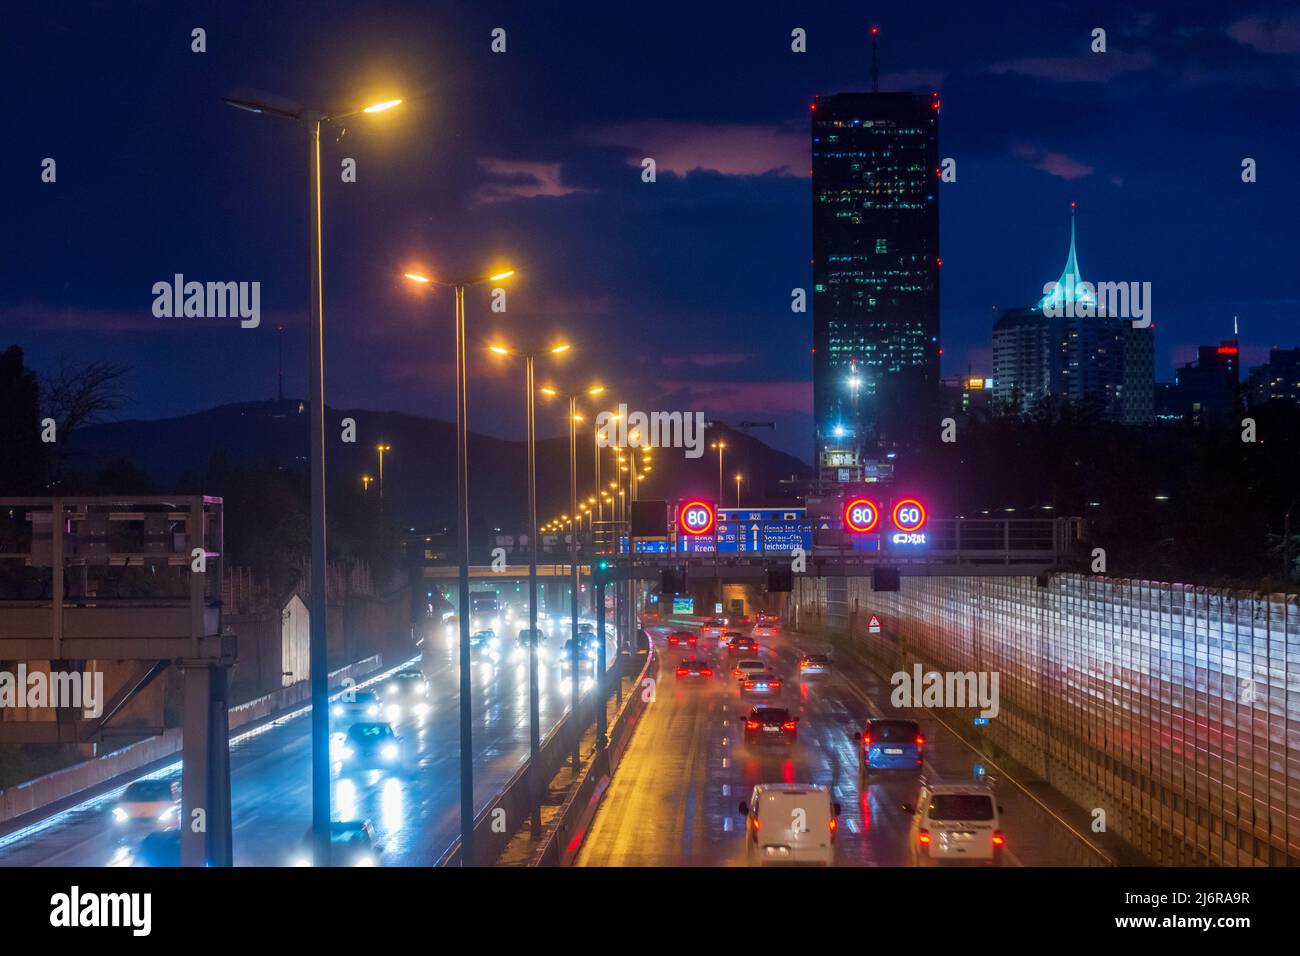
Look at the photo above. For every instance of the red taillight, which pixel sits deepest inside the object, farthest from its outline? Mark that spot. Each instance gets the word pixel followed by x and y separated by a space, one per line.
pixel 681 672
pixel 833 826
pixel 866 740
pixel 748 683
pixel 924 837
pixel 755 821
pixel 920 741
pixel 672 639
pixel 774 684
pixel 707 672
pixel 789 725
pixel 751 725
pixel 998 839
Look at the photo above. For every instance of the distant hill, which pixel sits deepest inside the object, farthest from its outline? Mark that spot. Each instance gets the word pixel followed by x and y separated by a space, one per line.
pixel 420 474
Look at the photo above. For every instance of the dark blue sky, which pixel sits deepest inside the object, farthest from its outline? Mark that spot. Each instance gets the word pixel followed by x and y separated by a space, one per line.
pixel 677 292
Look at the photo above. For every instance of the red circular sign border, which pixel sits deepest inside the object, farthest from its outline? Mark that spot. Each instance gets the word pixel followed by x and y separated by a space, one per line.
pixel 861 500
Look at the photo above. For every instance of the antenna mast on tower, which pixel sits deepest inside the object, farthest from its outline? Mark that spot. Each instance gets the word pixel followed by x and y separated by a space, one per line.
pixel 875 63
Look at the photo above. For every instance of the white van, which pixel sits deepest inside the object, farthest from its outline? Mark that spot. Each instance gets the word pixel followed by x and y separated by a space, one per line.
pixel 956 823
pixel 790 823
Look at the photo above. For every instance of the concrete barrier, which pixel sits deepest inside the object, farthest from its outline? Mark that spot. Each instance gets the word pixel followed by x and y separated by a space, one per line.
pixel 517 797
pixel 562 842
pixel 34 795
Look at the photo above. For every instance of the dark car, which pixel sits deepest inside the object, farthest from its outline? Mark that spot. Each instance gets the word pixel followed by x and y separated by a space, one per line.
pixel 889 744
pixel 352 843
pixel 742 645
pixel 369 746
pixel 683 639
pixel 695 669
pixel 160 848
pixel 771 725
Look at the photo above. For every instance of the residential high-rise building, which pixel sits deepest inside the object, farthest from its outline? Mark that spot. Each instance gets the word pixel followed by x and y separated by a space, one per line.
pixel 1205 391
pixel 1066 348
pixel 1279 380
pixel 875 233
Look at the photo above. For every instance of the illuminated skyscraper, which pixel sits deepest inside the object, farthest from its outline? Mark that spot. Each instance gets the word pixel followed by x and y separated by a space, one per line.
pixel 875 270
pixel 1067 348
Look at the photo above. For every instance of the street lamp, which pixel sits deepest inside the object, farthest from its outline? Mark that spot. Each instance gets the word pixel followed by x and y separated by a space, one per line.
pixel 382 448
pixel 534 703
pixel 574 418
pixel 462 533
pixel 719 445
pixel 192 853
pixel 365 482
pixel 739 479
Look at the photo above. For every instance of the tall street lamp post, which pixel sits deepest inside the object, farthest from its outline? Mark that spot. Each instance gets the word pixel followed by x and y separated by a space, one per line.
pixel 575 680
pixel 534 702
pixel 458 286
pixel 311 119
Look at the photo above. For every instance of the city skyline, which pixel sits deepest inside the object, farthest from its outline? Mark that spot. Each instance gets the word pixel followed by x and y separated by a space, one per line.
pixel 708 254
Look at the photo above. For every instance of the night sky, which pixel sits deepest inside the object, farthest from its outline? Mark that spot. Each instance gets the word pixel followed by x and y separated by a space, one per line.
pixel 676 294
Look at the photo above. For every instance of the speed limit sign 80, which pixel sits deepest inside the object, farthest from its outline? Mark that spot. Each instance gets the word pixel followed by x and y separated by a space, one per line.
pixel 696 517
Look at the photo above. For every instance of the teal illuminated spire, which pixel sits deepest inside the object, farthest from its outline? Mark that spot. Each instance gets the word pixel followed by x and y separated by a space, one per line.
pixel 1070 287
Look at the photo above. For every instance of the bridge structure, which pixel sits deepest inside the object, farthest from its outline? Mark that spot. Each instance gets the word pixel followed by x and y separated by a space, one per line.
pixel 69 598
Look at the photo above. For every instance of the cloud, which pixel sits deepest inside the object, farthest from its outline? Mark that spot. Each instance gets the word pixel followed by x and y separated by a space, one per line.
pixel 1268 34
pixel 1054 164
pixel 520 180
pixel 1091 68
pixel 731 149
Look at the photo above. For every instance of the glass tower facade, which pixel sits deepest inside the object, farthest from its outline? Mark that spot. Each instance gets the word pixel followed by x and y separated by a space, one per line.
pixel 875 179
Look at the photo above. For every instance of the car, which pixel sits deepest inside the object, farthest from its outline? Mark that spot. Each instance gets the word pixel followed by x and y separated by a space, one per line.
pixel 160 848
pixel 695 668
pixel 887 743
pixel 586 655
pixel 764 630
pixel 811 665
pixel 683 639
pixel 485 640
pixel 742 621
pixel 368 746
pixel 790 824
pixel 526 635
pixel 352 843
pixel 747 667
pixel 761 684
pixel 713 627
pixel 771 725
pixel 148 805
pixel 742 645
pixel 728 635
pixel 405 691
pixel 954 824
pixel 586 629
pixel 354 705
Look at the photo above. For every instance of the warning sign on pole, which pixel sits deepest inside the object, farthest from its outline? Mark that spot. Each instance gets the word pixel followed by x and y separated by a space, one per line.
pixel 873 625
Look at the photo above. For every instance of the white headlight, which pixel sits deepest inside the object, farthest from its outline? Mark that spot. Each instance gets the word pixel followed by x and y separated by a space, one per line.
pixel 390 752
pixel 119 815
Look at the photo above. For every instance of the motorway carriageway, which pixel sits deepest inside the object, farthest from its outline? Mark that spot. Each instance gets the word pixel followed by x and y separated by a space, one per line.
pixel 673 800
pixel 416 816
